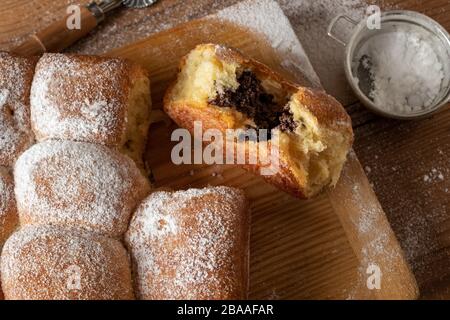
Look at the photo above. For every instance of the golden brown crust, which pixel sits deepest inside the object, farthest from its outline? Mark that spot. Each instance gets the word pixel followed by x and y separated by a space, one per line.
pixel 191 244
pixel 284 178
pixel 16 74
pixel 49 263
pixel 82 98
pixel 330 116
pixel 328 111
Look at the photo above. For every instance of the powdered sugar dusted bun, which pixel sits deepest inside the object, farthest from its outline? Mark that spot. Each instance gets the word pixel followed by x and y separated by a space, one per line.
pixel 8 210
pixel 50 263
pixel 191 245
pixel 78 184
pixel 91 99
pixel 16 74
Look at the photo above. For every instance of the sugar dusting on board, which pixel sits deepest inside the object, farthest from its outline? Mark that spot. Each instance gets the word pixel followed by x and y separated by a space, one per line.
pixel 417 197
pixel 377 249
pixel 266 17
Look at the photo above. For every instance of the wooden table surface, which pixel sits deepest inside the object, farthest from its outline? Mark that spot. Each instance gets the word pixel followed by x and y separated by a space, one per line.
pixel 407 162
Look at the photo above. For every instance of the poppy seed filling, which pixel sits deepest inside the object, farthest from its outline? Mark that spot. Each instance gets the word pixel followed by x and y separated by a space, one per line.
pixel 251 99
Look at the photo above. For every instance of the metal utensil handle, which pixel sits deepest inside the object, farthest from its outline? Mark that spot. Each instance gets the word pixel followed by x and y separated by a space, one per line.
pixel 333 24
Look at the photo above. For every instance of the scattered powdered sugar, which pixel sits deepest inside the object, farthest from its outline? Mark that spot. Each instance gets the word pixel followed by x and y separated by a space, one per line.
pixel 128 25
pixel 95 111
pixel 15 128
pixel 416 198
pixel 267 18
pixel 405 69
pixel 40 262
pixel 434 175
pixel 367 224
pixel 184 244
pixel 4 94
pixel 372 234
pixel 77 184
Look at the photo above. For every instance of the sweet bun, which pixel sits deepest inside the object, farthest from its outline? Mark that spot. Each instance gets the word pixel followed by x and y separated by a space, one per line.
pixel 92 99
pixel 77 184
pixel 8 210
pixel 16 74
pixel 191 245
pixel 225 90
pixel 50 263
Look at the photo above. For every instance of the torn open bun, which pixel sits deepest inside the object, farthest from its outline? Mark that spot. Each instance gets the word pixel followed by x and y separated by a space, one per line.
pixel 225 90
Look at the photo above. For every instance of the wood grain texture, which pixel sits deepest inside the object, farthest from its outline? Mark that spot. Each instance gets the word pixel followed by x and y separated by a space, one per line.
pixel 57 36
pixel 296 246
pixel 396 155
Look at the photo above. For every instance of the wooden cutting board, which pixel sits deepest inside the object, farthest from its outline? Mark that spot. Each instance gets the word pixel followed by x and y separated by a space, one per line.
pixel 323 248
